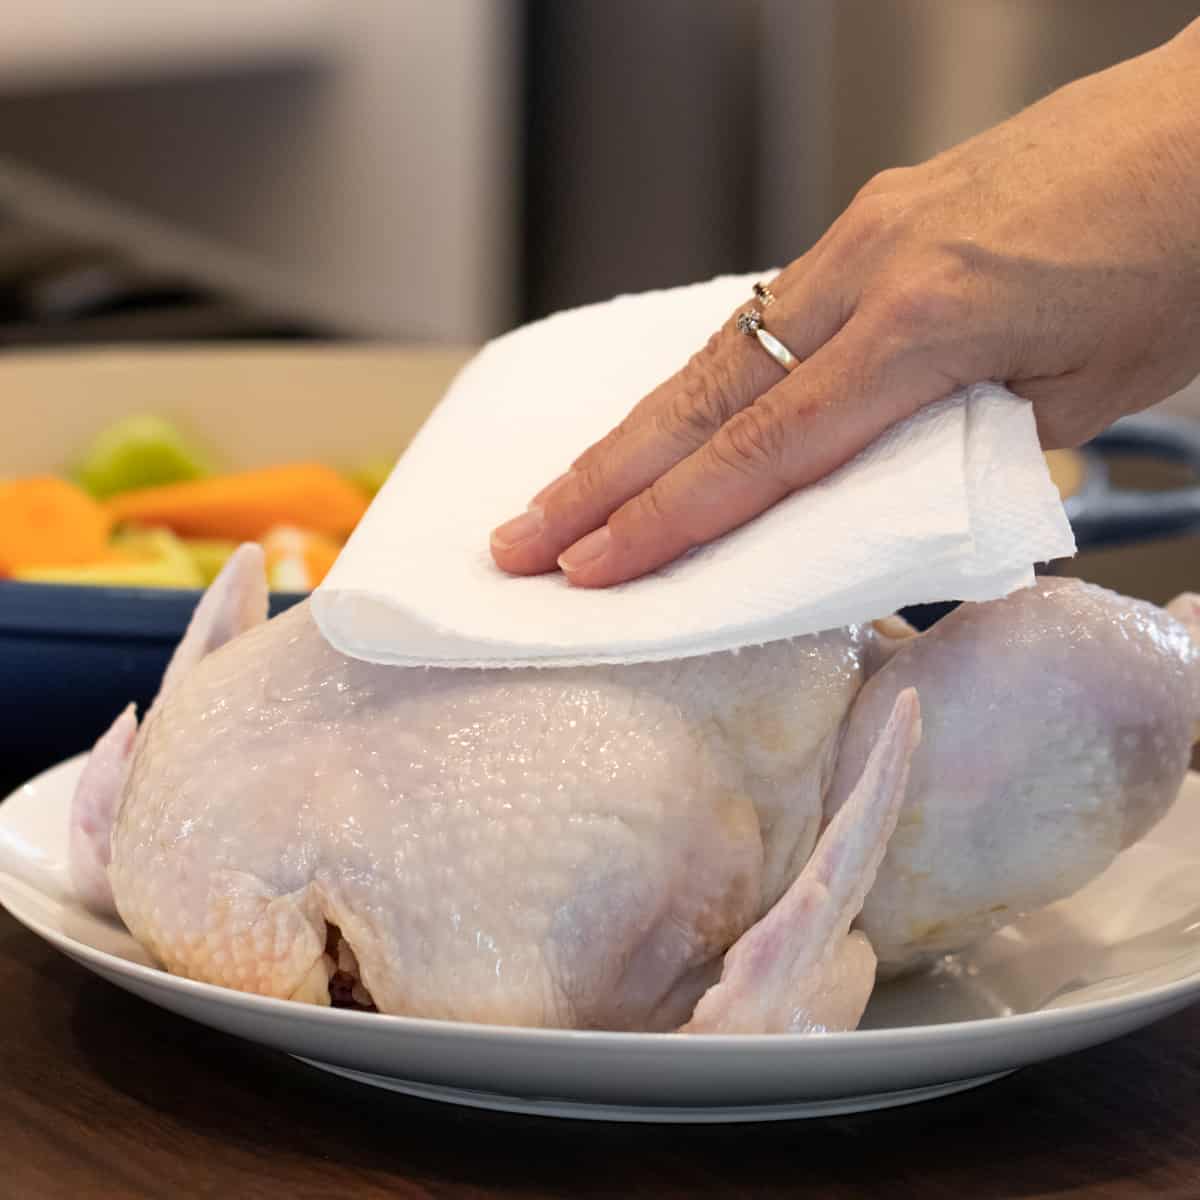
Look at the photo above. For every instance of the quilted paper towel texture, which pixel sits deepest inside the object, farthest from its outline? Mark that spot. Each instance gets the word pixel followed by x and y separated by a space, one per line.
pixel 954 503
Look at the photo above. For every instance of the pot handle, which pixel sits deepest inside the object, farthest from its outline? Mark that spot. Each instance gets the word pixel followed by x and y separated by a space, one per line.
pixel 1104 515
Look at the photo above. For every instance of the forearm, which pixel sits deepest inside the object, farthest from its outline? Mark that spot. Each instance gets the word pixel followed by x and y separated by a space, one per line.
pixel 1131 136
pixel 1181 76
pixel 1181 83
pixel 1182 70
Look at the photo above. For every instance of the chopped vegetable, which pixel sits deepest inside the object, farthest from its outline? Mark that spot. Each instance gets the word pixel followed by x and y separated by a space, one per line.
pixel 245 506
pixel 47 522
pixel 176 524
pixel 209 555
pixel 160 548
pixel 370 477
pixel 116 574
pixel 298 560
pixel 139 452
pixel 136 558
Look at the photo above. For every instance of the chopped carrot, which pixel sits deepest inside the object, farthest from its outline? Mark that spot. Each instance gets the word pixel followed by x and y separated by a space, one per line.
pixel 47 522
pixel 320 553
pixel 243 507
pixel 116 556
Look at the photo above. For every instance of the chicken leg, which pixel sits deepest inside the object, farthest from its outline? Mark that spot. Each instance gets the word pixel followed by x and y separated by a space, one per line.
pixel 1058 727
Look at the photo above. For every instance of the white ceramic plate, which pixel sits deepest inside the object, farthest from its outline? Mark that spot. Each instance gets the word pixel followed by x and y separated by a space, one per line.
pixel 1122 953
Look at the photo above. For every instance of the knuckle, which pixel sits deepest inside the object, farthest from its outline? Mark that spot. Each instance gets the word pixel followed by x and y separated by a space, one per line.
pixel 590 490
pixel 654 522
pixel 888 180
pixel 925 302
pixel 871 219
pixel 585 484
pixel 705 397
pixel 869 215
pixel 648 510
pixel 617 434
pixel 752 443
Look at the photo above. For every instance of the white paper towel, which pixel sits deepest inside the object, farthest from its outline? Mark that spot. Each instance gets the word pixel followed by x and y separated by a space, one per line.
pixel 953 504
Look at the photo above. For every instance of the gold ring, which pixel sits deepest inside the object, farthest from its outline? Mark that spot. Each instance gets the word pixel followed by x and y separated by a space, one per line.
pixel 765 294
pixel 750 323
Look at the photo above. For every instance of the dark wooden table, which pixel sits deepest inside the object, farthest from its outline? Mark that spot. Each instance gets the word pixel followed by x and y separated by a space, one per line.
pixel 104 1095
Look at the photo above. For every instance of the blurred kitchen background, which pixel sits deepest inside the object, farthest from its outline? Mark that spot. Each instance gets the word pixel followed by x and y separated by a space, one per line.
pixel 406 170
pixel 430 174
pixel 415 172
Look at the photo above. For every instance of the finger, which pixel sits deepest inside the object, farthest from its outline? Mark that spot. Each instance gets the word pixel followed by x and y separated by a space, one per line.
pixel 685 410
pixel 671 423
pixel 818 418
pixel 727 353
pixel 661 430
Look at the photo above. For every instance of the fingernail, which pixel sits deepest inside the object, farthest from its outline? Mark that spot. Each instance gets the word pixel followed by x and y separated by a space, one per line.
pixel 586 550
pixel 553 486
pixel 519 529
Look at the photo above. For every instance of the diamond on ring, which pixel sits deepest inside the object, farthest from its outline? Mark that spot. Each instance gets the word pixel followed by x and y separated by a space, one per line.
pixel 749 322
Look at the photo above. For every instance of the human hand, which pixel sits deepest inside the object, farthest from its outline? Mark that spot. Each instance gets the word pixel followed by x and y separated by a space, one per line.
pixel 1058 252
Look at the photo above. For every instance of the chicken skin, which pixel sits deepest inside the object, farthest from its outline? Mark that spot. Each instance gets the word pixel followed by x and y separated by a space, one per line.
pixel 682 845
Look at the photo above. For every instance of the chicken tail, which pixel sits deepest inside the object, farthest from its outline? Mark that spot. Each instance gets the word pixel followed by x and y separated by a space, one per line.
pixel 236 601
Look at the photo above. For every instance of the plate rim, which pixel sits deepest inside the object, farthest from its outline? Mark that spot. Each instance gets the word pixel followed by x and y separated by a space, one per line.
pixel 903 1037
pixel 659 1114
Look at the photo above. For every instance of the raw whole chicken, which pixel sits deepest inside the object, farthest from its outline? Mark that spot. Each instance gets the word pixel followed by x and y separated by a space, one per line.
pixel 735 843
